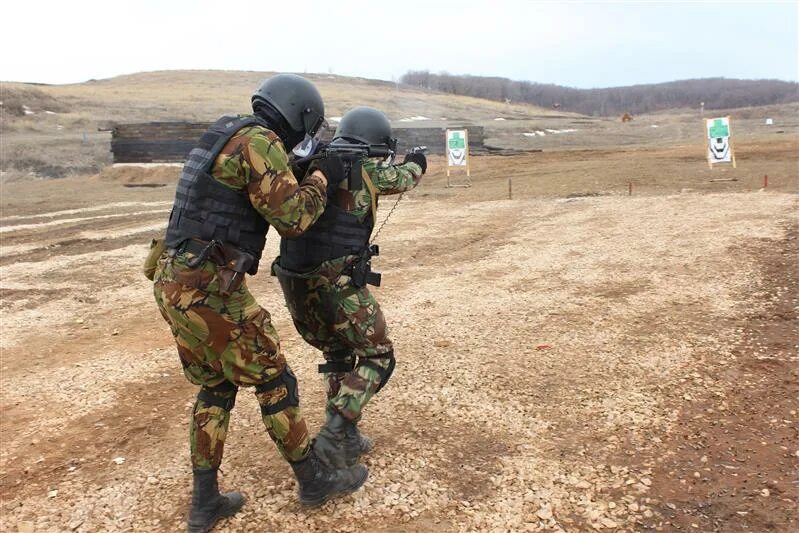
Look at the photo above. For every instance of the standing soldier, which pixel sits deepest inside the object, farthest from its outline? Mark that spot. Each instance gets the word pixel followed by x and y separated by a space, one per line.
pixel 323 274
pixel 235 184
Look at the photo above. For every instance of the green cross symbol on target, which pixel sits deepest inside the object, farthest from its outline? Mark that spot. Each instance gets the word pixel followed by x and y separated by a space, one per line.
pixel 719 129
pixel 456 142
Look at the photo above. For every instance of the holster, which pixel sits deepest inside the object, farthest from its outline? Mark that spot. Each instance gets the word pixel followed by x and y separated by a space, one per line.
pixel 232 262
pixel 362 273
pixel 157 247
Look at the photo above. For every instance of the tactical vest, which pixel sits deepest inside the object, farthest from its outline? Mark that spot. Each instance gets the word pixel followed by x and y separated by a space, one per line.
pixel 206 209
pixel 337 233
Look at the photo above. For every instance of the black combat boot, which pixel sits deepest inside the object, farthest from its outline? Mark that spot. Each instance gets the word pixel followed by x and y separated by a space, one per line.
pixel 207 505
pixel 365 444
pixel 339 443
pixel 319 482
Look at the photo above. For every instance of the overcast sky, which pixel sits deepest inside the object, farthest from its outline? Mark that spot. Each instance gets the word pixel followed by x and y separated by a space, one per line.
pixel 577 44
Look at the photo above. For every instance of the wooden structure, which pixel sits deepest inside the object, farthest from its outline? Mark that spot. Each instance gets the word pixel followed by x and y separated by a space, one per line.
pixel 171 142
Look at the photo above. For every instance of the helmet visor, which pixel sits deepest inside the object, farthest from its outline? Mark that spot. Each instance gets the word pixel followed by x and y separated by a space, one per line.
pixel 310 143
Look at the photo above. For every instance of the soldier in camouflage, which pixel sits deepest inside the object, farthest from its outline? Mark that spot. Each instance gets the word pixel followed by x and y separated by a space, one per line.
pixel 323 274
pixel 235 184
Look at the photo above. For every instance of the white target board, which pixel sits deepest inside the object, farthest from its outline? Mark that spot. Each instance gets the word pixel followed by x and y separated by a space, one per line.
pixel 719 149
pixel 457 144
pixel 457 148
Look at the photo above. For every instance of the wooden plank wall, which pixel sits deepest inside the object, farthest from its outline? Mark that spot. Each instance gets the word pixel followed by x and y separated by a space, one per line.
pixel 171 142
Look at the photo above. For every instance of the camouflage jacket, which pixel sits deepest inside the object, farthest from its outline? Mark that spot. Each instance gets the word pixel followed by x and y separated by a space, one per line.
pixel 387 179
pixel 255 159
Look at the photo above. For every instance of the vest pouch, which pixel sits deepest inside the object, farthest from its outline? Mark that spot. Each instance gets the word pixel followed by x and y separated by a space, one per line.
pixel 157 248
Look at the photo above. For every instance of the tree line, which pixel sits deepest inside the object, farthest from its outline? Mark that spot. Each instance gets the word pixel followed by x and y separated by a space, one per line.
pixel 715 93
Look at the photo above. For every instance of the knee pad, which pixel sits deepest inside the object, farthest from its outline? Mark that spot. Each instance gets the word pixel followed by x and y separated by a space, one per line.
pixel 292 398
pixel 384 373
pixel 339 361
pixel 218 395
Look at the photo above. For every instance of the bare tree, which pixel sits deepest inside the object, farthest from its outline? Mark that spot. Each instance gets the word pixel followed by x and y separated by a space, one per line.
pixel 716 93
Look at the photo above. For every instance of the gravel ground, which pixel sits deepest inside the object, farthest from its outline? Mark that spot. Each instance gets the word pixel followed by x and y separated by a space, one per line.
pixel 547 351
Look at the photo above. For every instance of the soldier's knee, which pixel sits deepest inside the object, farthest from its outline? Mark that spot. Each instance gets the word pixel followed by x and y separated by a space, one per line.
pixel 270 396
pixel 383 364
pixel 222 395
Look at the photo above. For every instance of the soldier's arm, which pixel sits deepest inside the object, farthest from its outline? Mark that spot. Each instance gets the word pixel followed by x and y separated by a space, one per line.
pixel 393 179
pixel 290 207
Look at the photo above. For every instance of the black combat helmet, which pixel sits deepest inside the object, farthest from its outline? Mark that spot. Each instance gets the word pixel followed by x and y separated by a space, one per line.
pixel 296 99
pixel 366 125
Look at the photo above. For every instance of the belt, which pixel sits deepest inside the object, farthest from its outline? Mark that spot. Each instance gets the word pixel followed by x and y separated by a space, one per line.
pixel 198 249
pixel 220 254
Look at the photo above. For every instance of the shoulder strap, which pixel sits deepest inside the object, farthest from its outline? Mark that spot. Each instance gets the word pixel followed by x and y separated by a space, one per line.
pixel 372 192
pixel 224 129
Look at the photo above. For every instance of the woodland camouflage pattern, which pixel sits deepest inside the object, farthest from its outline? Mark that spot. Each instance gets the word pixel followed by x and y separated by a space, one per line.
pixel 231 338
pixel 332 315
pixel 254 159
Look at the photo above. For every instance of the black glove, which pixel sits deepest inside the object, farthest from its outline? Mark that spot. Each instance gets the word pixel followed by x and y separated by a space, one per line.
pixel 332 166
pixel 418 158
pixel 300 170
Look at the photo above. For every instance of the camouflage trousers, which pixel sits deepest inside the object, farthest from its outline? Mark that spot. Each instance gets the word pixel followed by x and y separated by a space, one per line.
pixel 344 322
pixel 226 342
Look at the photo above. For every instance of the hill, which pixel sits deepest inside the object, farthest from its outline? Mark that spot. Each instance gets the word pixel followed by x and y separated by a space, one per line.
pixel 52 130
pixel 205 95
pixel 716 93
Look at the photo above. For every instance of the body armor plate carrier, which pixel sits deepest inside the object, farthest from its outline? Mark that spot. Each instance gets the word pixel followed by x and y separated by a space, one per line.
pixel 207 210
pixel 336 234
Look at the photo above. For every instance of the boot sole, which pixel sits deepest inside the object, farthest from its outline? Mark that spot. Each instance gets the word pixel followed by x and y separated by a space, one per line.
pixel 308 504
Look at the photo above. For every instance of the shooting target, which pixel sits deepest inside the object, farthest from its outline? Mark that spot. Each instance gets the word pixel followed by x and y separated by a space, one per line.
pixel 720 150
pixel 456 148
pixel 718 138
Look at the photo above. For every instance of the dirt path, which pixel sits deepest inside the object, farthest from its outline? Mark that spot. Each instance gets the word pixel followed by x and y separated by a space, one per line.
pixel 731 462
pixel 547 348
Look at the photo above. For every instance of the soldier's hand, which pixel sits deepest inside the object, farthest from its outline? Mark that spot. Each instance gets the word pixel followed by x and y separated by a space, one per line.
pixel 418 158
pixel 332 167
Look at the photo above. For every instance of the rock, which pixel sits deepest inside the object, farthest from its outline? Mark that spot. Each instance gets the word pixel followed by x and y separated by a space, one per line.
pixel 152 480
pixel 583 484
pixel 119 460
pixel 25 527
pixel 52 493
pixel 646 481
pixel 544 513
pixel 765 493
pixel 608 523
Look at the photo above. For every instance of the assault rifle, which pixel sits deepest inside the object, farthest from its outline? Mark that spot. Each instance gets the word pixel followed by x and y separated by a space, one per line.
pixel 347 151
